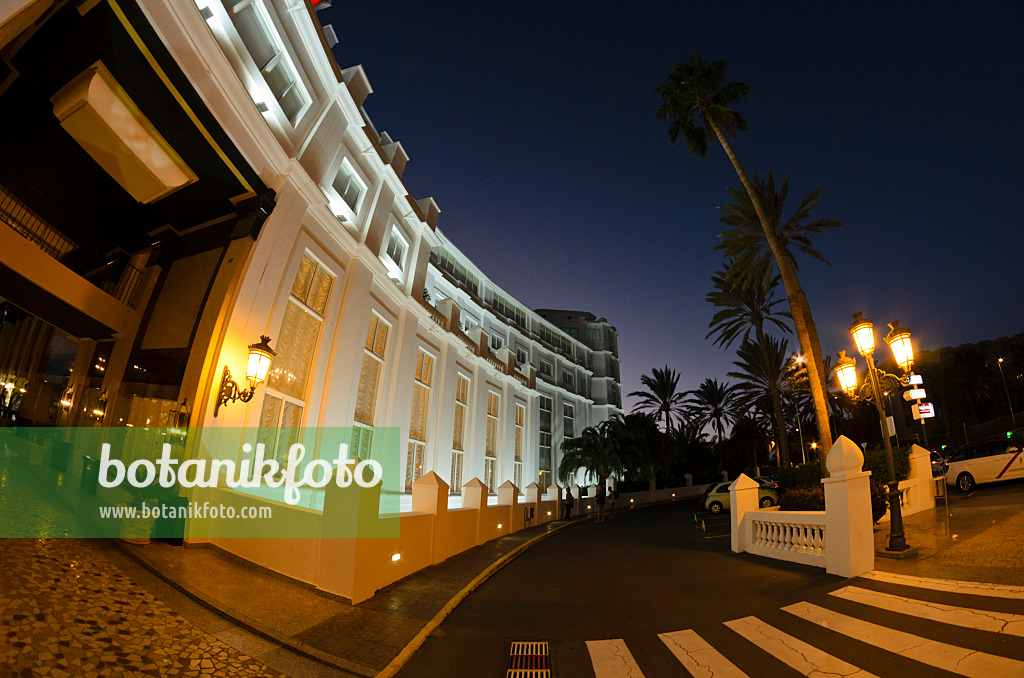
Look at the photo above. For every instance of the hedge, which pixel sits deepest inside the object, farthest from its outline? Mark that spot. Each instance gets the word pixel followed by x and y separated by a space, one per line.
pixel 813 499
pixel 803 476
pixel 875 461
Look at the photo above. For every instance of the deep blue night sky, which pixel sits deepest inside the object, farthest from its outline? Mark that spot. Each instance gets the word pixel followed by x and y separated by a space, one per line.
pixel 534 128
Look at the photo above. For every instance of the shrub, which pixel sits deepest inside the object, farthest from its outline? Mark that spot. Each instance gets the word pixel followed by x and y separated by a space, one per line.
pixel 878 501
pixel 803 499
pixel 875 461
pixel 803 476
pixel 813 499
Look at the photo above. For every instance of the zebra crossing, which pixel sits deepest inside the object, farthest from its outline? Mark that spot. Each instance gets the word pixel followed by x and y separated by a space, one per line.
pixel 612 658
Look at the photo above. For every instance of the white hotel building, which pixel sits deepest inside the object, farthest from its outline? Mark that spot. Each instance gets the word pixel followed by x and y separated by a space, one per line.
pixel 251 195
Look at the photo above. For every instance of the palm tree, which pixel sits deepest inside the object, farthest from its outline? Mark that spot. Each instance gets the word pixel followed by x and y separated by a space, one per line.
pixel 661 397
pixel 765 374
pixel 713 404
pixel 745 307
pixel 595 452
pixel 746 243
pixel 697 104
pixel 643 449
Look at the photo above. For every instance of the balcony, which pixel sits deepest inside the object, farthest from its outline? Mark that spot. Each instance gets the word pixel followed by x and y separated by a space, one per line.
pixel 114 275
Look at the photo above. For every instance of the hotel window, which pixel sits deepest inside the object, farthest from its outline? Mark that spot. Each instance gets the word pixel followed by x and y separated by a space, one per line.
pixel 285 396
pixel 593 334
pixel 568 423
pixel 569 379
pixel 521 355
pixel 264 45
pixel 544 480
pixel 544 426
pixel 345 192
pixel 394 255
pixel 572 332
pixel 459 432
pixel 496 342
pixel 491 444
pixel 456 476
pixel 547 368
pixel 519 429
pixel 371 370
pixel 418 422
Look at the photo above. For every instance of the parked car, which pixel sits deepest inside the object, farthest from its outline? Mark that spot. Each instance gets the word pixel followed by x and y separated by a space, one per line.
pixel 986 461
pixel 767 483
pixel 716 498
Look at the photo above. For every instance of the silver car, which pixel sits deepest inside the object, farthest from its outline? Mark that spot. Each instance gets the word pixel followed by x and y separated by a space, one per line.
pixel 716 499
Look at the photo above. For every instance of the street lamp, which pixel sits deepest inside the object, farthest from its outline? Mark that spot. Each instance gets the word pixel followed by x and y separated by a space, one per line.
pixel 846 370
pixel 1008 402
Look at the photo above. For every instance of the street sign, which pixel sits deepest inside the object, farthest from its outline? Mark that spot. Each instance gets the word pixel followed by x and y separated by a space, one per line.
pixel 923 410
pixel 915 380
pixel 914 394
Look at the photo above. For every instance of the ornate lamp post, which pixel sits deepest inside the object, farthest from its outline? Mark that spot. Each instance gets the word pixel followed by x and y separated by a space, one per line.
pixel 846 371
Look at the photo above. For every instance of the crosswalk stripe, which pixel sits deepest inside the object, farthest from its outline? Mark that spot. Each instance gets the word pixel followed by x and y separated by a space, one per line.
pixel 948 585
pixel 800 656
pixel 940 655
pixel 699 658
pixel 996 622
pixel 611 659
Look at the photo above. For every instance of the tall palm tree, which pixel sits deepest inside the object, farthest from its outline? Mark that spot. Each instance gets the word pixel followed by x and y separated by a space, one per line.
pixel 644 450
pixel 745 307
pixel 758 264
pixel 696 102
pixel 713 404
pixel 765 373
pixel 662 396
pixel 595 452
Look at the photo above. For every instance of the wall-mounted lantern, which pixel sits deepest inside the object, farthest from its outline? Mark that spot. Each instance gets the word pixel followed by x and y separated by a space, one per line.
pixel 260 356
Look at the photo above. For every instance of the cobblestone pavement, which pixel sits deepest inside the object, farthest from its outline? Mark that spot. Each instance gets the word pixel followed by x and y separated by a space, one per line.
pixel 66 610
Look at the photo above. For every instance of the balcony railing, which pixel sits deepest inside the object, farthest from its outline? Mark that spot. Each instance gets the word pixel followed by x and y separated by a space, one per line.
pixel 437 316
pixel 32 227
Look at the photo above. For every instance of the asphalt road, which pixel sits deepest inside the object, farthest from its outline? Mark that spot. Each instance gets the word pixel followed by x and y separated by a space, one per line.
pixel 652 571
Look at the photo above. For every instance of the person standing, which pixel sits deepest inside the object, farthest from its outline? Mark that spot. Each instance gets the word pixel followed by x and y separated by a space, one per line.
pixel 569 502
pixel 611 504
pixel 601 494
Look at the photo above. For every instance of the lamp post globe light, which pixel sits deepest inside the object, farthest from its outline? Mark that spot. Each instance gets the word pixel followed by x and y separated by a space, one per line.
pixel 871 390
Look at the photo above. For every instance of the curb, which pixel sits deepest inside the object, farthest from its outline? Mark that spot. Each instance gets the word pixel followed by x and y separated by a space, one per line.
pixel 396 664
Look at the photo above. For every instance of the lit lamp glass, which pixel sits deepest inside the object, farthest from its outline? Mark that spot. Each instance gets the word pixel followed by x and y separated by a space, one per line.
pixel 260 357
pixel 899 341
pixel 846 372
pixel 863 334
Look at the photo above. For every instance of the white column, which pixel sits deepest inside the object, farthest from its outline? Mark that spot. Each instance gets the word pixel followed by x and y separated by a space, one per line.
pixel 849 542
pixel 742 498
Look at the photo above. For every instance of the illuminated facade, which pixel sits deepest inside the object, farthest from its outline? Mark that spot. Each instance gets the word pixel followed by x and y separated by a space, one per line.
pixel 212 176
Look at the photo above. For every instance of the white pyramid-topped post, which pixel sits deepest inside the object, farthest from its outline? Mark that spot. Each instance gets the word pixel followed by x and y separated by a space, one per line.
pixel 554 493
pixel 430 494
pixel 850 544
pixel 742 498
pixel 474 494
pixel 508 495
pixel 533 501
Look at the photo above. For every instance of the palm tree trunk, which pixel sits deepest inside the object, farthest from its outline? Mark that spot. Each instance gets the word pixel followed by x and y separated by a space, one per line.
pixel 797 301
pixel 781 437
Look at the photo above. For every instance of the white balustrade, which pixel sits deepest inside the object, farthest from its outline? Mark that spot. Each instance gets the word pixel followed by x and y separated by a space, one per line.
pixel 796 536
